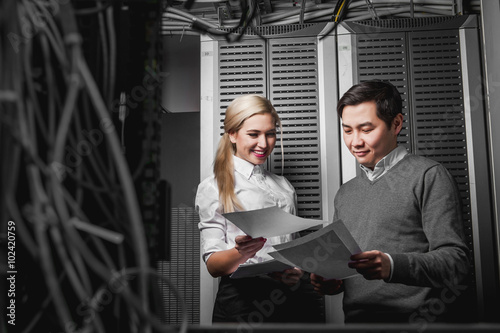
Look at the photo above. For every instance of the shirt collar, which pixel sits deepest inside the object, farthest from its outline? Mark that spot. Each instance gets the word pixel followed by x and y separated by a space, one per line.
pixel 244 167
pixel 386 163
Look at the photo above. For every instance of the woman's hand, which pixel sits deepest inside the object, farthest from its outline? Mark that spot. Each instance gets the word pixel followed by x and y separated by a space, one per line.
pixel 289 276
pixel 225 262
pixel 247 246
pixel 325 287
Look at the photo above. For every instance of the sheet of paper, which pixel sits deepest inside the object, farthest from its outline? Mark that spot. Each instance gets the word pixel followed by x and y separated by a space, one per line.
pixel 325 252
pixel 276 255
pixel 249 270
pixel 269 222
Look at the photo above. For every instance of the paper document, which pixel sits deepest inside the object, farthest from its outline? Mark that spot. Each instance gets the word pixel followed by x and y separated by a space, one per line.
pixel 249 270
pixel 325 252
pixel 269 222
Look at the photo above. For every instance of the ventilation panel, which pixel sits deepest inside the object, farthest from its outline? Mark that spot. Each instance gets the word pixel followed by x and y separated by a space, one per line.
pixel 242 70
pixel 283 66
pixel 384 57
pixel 183 270
pixel 431 65
pixel 293 90
pixel 425 66
pixel 439 107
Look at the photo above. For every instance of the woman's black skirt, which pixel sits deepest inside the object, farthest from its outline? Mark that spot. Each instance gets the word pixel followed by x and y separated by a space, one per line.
pixel 263 299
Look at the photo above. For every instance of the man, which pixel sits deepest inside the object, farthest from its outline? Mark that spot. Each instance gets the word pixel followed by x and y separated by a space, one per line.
pixel 405 213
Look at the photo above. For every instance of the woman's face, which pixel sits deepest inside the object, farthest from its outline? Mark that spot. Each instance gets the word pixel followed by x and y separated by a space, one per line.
pixel 255 140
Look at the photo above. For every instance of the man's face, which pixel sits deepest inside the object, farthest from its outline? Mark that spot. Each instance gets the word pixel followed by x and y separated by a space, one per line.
pixel 366 135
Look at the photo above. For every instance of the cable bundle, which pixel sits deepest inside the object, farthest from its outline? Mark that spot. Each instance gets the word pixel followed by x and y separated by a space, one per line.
pixel 248 18
pixel 65 180
pixel 179 21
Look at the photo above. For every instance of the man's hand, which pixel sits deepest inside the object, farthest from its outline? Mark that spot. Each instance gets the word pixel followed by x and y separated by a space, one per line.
pixel 248 246
pixel 325 287
pixel 289 276
pixel 373 265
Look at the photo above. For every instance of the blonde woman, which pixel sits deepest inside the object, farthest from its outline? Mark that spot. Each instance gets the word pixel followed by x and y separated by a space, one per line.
pixel 241 183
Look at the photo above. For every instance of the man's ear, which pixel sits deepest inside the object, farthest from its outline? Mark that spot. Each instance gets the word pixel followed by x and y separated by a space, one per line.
pixel 397 122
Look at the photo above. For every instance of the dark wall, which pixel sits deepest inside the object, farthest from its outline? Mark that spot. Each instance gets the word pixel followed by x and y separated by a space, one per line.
pixel 181 67
pixel 180 156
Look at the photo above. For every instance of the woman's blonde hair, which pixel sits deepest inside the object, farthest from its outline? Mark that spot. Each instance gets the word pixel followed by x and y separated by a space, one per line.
pixel 240 109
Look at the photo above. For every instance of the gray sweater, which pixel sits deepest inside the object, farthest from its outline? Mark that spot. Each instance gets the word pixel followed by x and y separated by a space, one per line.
pixel 413 213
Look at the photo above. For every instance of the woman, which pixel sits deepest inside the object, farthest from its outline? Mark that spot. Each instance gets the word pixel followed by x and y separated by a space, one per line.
pixel 241 183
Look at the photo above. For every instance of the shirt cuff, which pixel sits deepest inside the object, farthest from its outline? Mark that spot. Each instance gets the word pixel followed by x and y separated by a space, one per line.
pixel 392 268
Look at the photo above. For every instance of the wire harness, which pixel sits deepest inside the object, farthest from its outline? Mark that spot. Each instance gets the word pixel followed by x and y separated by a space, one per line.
pixel 67 184
pixel 247 14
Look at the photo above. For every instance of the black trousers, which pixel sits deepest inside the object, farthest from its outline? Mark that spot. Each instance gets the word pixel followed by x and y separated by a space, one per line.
pixel 262 299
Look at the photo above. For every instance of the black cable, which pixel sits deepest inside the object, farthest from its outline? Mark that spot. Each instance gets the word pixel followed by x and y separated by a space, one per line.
pixel 248 13
pixel 53 108
pixel 339 12
pixel 31 91
pixel 233 34
pixel 302 11
pixel 105 57
pixel 129 192
pixel 91 11
pixel 10 182
pixel 112 44
pixel 39 201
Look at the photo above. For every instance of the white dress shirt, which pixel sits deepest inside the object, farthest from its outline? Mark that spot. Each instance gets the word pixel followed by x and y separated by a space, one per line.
pixel 255 188
pixel 385 164
pixel 382 166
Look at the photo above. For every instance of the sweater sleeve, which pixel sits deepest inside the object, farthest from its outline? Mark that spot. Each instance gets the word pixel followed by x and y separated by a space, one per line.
pixel 447 261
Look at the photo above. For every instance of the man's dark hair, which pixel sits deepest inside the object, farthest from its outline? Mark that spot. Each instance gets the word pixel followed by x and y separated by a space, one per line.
pixel 383 93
